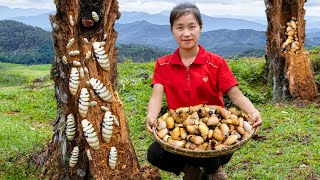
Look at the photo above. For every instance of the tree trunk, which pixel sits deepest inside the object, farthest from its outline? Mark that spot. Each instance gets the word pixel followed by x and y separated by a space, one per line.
pixel 288 64
pixel 80 27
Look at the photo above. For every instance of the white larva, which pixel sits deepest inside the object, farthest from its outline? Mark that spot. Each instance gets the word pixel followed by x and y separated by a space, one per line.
pixel 74 53
pixel 70 43
pixel 105 109
pixel 247 127
pixel 107 126
pixel 64 60
pixel 95 16
pixel 74 81
pixel 76 63
pixel 90 134
pixel 86 70
pixel 71 127
pixel 81 72
pixel 71 20
pixel 86 40
pixel 101 55
pixel 89 155
pixel 74 157
pixel 101 90
pixel 115 120
pixel 83 104
pixel 113 158
pixel 102 43
pixel 88 55
pixel 93 103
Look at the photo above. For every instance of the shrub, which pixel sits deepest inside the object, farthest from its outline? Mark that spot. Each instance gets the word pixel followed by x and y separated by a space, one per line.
pixel 315 62
pixel 252 82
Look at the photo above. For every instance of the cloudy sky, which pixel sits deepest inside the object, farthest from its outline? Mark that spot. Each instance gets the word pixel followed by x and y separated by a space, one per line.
pixel 209 7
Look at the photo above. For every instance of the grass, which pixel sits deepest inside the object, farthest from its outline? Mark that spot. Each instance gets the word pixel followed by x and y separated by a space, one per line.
pixel 25 114
pixel 288 149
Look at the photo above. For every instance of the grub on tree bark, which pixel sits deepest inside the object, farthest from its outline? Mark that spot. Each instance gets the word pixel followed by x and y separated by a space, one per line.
pixel 84 41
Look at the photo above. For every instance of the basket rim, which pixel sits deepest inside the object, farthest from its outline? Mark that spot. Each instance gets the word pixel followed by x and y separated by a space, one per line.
pixel 201 153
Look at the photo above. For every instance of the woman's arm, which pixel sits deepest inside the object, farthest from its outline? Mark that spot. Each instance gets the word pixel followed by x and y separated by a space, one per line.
pixel 154 106
pixel 244 104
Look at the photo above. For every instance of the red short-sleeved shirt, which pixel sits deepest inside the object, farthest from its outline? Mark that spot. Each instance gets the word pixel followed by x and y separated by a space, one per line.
pixel 206 79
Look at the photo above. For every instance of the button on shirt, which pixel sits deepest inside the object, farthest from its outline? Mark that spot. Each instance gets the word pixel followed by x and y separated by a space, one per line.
pixel 203 82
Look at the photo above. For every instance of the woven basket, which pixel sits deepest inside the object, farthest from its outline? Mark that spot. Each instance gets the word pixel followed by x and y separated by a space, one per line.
pixel 201 154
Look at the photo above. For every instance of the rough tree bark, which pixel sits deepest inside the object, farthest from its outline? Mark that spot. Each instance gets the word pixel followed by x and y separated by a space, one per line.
pixel 75 30
pixel 288 64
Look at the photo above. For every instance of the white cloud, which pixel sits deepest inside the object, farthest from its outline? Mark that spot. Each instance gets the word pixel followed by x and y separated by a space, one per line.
pixel 39 4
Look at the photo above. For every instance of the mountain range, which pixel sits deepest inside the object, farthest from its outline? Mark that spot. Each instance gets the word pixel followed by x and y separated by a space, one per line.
pixel 39 17
pixel 225 42
pixel 224 36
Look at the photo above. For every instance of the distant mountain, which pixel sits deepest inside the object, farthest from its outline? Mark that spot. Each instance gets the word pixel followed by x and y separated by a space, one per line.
pixel 230 42
pixel 143 32
pixel 209 23
pixel 41 20
pixel 24 44
pixel 141 41
pixel 224 42
pixel 314 32
pixel 130 17
pixel 7 13
pixel 314 24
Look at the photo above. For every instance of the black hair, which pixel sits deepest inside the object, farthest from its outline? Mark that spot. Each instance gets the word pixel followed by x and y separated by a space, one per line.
pixel 184 9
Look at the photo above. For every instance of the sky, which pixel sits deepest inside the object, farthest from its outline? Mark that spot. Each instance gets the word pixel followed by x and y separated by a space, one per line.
pixel 254 8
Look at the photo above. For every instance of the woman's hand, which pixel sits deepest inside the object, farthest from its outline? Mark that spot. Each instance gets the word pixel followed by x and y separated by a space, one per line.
pixel 151 122
pixel 256 119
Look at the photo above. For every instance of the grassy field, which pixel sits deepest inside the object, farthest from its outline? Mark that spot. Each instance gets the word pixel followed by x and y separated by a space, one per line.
pixel 289 147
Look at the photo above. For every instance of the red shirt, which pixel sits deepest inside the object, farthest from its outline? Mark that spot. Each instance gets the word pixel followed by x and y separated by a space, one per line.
pixel 203 82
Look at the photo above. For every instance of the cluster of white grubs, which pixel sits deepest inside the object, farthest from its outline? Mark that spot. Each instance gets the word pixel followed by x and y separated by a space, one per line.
pixel 78 72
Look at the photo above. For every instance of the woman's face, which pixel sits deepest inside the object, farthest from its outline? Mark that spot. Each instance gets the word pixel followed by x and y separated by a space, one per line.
pixel 186 31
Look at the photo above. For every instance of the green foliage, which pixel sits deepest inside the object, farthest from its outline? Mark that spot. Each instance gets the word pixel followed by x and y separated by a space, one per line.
pixel 315 58
pixel 138 53
pixel 250 76
pixel 315 61
pixel 252 53
pixel 23 44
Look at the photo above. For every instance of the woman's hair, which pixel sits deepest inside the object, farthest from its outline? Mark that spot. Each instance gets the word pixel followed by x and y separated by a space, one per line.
pixel 185 9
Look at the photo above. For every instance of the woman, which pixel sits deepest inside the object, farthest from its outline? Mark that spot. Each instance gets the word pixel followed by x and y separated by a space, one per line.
pixel 188 77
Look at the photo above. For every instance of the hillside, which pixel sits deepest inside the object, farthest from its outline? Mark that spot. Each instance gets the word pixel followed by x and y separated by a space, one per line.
pixel 140 41
pixel 24 44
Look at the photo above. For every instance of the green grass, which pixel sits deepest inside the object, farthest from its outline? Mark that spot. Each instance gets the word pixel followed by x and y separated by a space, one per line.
pixel 289 150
